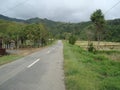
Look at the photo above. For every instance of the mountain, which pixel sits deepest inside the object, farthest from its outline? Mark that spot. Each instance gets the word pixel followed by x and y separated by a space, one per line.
pixel 30 21
pixel 10 19
pixel 38 20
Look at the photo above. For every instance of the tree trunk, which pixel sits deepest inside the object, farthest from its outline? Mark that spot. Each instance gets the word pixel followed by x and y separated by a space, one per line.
pixel 0 43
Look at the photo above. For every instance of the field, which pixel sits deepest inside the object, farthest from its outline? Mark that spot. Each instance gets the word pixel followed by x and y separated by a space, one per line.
pixel 88 71
pixel 110 50
pixel 103 45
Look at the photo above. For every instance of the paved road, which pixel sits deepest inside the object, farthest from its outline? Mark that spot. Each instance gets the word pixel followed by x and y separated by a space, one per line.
pixel 42 70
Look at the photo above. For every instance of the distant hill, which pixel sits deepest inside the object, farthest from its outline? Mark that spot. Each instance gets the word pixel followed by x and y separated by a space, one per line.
pixel 11 19
pixel 31 20
pixel 39 20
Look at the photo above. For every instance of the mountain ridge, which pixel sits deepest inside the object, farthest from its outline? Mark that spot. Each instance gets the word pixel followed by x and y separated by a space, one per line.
pixel 30 20
pixel 11 19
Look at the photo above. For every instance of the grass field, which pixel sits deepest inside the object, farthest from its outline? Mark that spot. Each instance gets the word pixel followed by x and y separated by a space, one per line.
pixel 8 58
pixel 88 71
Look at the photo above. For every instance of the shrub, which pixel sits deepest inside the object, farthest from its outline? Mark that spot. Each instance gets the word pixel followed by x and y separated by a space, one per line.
pixel 91 48
pixel 72 39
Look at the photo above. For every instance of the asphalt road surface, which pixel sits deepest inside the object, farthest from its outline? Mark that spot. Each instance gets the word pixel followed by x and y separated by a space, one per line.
pixel 42 70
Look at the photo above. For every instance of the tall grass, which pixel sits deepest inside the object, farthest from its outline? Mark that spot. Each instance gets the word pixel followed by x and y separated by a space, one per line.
pixel 88 71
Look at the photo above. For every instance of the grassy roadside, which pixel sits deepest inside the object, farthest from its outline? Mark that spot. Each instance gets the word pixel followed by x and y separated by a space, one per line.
pixel 8 59
pixel 87 71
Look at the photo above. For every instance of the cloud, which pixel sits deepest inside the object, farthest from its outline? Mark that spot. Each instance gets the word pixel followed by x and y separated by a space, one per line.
pixel 58 10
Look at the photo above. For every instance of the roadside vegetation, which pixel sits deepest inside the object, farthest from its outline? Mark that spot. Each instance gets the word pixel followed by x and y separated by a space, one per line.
pixel 8 58
pixel 94 65
pixel 88 71
pixel 112 54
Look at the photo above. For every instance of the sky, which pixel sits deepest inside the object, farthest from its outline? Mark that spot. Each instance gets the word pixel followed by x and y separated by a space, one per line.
pixel 59 10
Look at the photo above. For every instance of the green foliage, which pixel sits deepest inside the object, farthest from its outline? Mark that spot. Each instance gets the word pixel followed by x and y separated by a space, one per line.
pixel 88 71
pixel 91 48
pixel 98 19
pixel 72 39
pixel 113 30
pixel 21 33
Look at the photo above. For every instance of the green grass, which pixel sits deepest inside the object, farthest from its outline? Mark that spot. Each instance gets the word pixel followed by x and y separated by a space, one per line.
pixel 111 54
pixel 8 59
pixel 88 71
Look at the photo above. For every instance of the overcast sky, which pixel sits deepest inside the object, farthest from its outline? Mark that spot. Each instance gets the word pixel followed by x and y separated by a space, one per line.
pixel 58 10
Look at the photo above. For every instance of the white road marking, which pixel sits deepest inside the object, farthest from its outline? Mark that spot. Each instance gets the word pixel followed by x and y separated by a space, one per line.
pixel 33 63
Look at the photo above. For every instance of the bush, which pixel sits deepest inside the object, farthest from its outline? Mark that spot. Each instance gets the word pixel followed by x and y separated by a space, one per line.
pixel 91 48
pixel 72 39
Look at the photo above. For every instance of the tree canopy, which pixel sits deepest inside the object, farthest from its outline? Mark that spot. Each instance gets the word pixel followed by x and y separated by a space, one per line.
pixel 99 22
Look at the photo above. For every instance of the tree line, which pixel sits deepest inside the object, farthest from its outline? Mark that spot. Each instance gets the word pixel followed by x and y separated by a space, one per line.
pixel 22 35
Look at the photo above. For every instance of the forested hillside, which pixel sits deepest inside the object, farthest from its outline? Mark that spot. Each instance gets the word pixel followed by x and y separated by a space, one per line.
pixel 61 30
pixel 113 30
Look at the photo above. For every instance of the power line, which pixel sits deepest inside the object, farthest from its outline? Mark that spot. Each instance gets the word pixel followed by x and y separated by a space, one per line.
pixel 112 7
pixel 15 6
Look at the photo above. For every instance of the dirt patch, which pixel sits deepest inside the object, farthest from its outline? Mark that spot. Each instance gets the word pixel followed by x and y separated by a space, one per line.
pixel 28 51
pixel 24 51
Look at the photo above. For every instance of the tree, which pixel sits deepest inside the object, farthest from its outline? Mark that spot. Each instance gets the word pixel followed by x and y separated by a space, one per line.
pixel 72 39
pixel 98 19
pixel 13 32
pixel 37 34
